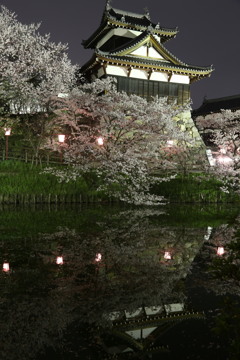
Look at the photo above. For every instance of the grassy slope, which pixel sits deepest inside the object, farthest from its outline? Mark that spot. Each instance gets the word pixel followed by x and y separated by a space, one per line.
pixel 22 178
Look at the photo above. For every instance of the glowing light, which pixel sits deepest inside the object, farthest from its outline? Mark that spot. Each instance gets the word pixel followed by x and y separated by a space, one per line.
pixel 7 132
pixel 59 260
pixel 98 257
pixel 100 141
pixel 170 143
pixel 167 255
pixel 6 267
pixel 225 160
pixel 220 250
pixel 223 151
pixel 61 138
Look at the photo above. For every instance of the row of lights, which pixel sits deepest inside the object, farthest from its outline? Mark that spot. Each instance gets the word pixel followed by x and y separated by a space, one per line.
pixel 223 159
pixel 98 258
pixel 61 139
pixel 220 251
pixel 59 261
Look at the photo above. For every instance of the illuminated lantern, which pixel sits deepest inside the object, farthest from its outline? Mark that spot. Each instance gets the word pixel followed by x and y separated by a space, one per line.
pixel 59 260
pixel 7 132
pixel 100 141
pixel 6 267
pixel 167 255
pixel 220 250
pixel 61 138
pixel 98 257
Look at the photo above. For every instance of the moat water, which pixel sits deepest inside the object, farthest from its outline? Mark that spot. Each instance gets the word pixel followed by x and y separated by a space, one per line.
pixel 115 282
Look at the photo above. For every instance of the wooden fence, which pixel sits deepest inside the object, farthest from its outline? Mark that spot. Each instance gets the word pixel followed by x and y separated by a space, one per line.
pixel 33 199
pixel 26 155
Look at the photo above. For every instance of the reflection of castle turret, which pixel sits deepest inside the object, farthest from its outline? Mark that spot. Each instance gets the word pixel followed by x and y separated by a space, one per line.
pixel 140 331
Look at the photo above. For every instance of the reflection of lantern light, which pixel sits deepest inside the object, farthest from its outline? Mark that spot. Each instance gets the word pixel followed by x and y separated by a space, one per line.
pixel 59 260
pixel 7 132
pixel 220 250
pixel 167 255
pixel 100 141
pixel 6 267
pixel 61 138
pixel 98 257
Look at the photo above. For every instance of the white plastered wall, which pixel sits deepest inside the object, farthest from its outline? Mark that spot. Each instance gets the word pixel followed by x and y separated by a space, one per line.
pixel 139 74
pixel 142 51
pixel 151 52
pixel 180 79
pixel 116 70
pixel 154 54
pixel 158 76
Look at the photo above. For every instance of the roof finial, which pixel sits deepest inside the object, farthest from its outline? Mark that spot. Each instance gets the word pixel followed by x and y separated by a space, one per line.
pixel 157 26
pixel 150 29
pixel 147 14
pixel 108 4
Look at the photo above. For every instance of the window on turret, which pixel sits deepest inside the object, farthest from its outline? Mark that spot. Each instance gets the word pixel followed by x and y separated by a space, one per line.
pixel 148 89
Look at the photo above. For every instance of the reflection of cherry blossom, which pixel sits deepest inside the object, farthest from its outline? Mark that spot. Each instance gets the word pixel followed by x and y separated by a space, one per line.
pixel 87 291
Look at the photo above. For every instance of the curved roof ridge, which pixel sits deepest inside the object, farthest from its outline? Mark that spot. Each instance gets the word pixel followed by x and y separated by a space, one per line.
pixel 157 30
pixel 128 13
pixel 173 56
pixel 140 38
pixel 151 61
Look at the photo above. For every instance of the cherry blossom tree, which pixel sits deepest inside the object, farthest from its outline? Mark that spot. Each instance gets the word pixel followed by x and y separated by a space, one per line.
pixel 32 68
pixel 122 138
pixel 223 129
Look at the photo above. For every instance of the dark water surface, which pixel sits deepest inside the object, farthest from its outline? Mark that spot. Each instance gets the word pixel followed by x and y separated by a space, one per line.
pixel 111 282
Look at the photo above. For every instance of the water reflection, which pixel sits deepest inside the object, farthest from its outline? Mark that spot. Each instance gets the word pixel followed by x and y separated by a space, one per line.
pixel 102 286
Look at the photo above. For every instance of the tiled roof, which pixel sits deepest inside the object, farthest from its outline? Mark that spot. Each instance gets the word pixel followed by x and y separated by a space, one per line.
pixel 136 19
pixel 118 18
pixel 216 105
pixel 137 40
pixel 129 18
pixel 153 62
pixel 130 43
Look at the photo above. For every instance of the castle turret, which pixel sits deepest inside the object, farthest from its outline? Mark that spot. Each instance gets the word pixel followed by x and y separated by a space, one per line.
pixel 132 48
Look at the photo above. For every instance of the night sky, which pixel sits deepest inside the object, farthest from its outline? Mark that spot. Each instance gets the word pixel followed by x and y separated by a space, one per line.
pixel 208 33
